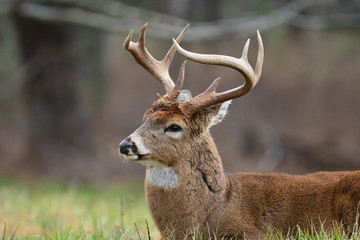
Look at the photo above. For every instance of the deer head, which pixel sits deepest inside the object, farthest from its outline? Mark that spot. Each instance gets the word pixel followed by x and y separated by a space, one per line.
pixel 176 123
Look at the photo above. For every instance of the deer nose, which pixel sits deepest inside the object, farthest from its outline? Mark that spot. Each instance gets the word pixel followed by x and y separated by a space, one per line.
pixel 126 146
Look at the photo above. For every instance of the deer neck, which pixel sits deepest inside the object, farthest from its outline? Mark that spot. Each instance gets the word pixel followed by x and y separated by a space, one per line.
pixel 207 162
pixel 199 166
pixel 195 183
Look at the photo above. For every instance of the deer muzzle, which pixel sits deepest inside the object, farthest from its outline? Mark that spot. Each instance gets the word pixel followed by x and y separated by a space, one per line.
pixel 127 147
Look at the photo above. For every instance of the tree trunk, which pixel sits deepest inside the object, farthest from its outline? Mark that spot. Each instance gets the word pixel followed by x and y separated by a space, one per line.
pixel 59 136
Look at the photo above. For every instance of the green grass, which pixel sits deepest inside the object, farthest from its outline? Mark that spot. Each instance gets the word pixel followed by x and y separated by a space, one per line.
pixel 49 210
pixel 54 211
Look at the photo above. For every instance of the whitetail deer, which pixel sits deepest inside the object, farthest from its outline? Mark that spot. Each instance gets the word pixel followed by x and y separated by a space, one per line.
pixel 185 186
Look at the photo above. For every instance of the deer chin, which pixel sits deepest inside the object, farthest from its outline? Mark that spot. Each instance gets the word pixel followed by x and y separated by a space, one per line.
pixel 152 163
pixel 145 159
pixel 135 157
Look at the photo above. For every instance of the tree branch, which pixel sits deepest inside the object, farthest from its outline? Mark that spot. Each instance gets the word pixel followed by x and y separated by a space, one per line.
pixel 114 16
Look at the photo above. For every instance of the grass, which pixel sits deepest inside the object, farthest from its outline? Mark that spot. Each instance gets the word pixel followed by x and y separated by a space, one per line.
pixel 55 211
pixel 49 210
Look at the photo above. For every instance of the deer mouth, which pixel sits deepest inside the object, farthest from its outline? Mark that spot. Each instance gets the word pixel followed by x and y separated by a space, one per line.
pixel 135 157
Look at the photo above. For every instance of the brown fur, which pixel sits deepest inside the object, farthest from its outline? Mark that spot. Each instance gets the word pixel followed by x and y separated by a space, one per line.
pixel 241 204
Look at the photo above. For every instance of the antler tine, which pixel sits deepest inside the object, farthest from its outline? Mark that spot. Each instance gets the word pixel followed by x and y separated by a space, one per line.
pixel 171 53
pixel 179 84
pixel 260 58
pixel 210 97
pixel 159 69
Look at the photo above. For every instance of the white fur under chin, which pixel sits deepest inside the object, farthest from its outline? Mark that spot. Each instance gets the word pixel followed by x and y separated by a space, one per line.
pixel 162 177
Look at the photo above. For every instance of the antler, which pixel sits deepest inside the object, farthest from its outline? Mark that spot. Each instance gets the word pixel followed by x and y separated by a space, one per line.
pixel 159 69
pixel 209 97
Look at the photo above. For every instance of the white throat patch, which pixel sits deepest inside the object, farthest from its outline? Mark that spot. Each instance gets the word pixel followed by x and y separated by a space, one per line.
pixel 165 177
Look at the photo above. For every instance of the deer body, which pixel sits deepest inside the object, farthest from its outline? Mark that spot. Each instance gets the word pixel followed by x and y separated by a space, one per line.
pixel 186 189
pixel 249 203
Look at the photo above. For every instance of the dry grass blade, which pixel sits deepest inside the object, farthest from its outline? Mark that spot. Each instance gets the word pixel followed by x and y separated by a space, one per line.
pixel 4 232
pixel 13 234
pixel 137 231
pixel 356 225
pixel 122 212
pixel 147 229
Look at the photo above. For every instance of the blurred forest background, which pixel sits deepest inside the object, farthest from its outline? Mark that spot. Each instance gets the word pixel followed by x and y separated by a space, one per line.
pixel 69 92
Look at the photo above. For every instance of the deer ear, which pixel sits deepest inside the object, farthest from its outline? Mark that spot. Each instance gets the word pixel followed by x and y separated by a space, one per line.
pixel 217 113
pixel 184 96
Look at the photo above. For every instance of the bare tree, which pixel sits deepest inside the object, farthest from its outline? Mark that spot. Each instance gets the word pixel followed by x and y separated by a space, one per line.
pixel 58 130
pixel 115 16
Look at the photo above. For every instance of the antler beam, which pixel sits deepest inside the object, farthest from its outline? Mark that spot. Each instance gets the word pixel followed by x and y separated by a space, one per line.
pixel 210 97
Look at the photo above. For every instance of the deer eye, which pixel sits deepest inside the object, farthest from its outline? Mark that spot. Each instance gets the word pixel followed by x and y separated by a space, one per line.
pixel 173 128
